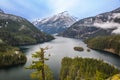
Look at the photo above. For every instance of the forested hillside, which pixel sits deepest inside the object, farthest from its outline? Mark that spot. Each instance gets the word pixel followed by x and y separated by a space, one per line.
pixel 106 43
pixel 85 69
pixel 15 30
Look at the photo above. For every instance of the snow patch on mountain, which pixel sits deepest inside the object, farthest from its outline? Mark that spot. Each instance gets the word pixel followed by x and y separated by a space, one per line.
pixel 1 11
pixel 56 23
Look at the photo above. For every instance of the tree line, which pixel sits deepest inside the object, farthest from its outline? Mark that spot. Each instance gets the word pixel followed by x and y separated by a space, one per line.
pixel 85 69
pixel 105 42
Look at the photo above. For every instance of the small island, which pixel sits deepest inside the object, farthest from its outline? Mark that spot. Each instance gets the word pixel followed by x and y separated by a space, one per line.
pixel 77 48
pixel 88 50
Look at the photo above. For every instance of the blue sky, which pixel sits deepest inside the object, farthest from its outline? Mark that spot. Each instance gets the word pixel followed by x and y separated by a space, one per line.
pixel 33 9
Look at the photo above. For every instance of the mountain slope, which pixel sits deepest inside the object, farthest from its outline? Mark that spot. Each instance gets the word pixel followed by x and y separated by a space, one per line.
pixel 106 43
pixel 102 24
pixel 15 30
pixel 1 11
pixel 55 24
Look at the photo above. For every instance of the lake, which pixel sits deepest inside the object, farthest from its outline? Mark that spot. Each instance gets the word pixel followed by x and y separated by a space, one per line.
pixel 59 48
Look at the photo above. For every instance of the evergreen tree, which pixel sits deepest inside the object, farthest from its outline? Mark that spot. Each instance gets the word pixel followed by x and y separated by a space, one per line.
pixel 85 69
pixel 39 65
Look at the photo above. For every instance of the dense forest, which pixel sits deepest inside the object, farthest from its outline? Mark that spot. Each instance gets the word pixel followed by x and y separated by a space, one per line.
pixel 16 31
pixel 85 69
pixel 105 43
pixel 21 33
pixel 10 56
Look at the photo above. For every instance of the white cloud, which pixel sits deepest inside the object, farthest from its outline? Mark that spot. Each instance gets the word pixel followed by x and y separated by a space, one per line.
pixel 117 31
pixel 109 25
pixel 42 8
pixel 116 15
pixel 63 5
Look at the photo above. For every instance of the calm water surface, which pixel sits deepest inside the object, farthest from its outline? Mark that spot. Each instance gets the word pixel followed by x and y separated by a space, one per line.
pixel 61 47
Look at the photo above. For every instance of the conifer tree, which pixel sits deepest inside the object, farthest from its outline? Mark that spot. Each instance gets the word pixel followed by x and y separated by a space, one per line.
pixel 39 65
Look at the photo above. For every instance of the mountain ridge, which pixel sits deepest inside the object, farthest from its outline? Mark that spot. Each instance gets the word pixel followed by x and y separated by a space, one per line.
pixel 56 23
pixel 20 31
pixel 1 11
pixel 102 24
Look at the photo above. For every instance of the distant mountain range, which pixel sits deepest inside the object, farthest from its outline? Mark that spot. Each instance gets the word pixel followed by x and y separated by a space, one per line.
pixel 1 11
pixel 56 23
pixel 15 30
pixel 103 24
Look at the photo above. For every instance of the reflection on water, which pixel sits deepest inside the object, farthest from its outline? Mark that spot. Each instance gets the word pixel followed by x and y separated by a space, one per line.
pixel 61 47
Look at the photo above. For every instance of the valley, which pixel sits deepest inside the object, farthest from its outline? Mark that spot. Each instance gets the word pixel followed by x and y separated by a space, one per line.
pixel 57 52
pixel 84 49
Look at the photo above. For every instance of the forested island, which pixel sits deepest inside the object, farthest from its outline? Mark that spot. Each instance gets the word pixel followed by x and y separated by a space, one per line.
pixel 86 69
pixel 105 43
pixel 77 48
pixel 10 56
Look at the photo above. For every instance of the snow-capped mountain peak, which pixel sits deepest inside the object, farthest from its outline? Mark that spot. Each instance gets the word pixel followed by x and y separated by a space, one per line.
pixel 56 23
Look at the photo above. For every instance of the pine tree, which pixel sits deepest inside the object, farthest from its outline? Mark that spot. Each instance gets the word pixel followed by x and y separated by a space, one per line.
pixel 39 65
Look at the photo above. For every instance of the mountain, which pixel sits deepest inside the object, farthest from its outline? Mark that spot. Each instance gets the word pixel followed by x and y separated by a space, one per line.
pixel 15 30
pixel 55 24
pixel 1 11
pixel 103 24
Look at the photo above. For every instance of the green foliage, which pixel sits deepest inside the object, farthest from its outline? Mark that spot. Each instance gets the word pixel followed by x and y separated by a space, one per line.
pixel 112 43
pixel 38 74
pixel 85 69
pixel 114 77
pixel 21 33
pixel 16 31
pixel 42 71
pixel 10 56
